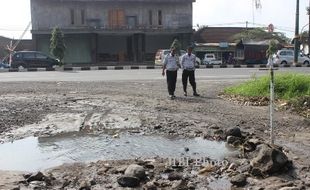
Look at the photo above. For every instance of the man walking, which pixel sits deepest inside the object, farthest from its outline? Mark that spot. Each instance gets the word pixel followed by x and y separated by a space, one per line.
pixel 171 67
pixel 188 66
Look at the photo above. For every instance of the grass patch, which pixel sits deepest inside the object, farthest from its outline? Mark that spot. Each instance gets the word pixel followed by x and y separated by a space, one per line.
pixel 292 92
pixel 288 86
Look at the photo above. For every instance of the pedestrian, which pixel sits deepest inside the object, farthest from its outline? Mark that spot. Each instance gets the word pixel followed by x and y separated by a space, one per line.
pixel 188 65
pixel 171 68
pixel 230 58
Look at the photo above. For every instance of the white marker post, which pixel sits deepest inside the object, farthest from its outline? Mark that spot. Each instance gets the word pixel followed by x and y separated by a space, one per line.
pixel 270 63
pixel 272 49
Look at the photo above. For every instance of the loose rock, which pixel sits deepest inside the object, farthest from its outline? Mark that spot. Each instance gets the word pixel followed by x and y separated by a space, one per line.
pixel 239 180
pixel 236 132
pixel 269 160
pixel 174 176
pixel 128 181
pixel 135 170
pixel 36 177
pixel 233 140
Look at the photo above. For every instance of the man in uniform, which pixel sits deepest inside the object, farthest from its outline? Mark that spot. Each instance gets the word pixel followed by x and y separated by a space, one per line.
pixel 171 68
pixel 188 66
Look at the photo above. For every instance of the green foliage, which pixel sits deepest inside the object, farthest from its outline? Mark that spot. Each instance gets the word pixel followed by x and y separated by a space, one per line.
pixel 272 49
pixel 287 86
pixel 177 45
pixel 259 34
pixel 57 46
pixel 201 27
pixel 304 38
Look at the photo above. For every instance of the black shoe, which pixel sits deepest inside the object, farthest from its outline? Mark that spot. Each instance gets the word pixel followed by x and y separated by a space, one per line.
pixel 196 94
pixel 172 97
pixel 185 93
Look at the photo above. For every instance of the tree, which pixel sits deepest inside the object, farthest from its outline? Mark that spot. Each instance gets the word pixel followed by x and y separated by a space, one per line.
pixel 304 39
pixel 57 46
pixel 259 34
pixel 272 49
pixel 176 45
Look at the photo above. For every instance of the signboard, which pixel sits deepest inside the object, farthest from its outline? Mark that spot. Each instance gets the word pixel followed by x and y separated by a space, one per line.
pixel 223 44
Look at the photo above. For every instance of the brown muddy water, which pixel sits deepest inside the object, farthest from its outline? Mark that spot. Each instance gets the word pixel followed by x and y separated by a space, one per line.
pixel 39 153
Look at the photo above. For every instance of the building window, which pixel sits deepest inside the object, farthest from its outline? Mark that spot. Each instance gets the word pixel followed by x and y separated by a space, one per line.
pixel 82 16
pixel 116 18
pixel 72 16
pixel 239 54
pixel 150 17
pixel 160 17
pixel 131 22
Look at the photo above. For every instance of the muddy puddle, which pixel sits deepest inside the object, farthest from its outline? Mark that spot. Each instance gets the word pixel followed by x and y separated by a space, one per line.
pixel 39 153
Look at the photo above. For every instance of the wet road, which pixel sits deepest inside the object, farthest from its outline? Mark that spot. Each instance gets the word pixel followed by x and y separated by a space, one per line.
pixel 120 75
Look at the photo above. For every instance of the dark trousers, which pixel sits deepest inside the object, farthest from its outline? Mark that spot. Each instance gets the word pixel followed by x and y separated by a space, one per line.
pixel 191 75
pixel 171 81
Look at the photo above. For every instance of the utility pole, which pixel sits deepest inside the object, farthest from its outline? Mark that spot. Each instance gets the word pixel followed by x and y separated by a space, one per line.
pixel 256 4
pixel 296 38
pixel 308 12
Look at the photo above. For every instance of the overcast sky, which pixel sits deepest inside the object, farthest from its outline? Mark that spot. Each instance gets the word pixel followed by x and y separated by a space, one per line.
pixel 15 15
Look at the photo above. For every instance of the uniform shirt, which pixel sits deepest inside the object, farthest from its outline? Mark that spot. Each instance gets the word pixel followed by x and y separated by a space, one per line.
pixel 171 62
pixel 188 61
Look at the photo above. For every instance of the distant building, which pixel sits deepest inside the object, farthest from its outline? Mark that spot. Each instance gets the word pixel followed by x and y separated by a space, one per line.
pixel 22 45
pixel 218 34
pixel 99 31
pixel 219 41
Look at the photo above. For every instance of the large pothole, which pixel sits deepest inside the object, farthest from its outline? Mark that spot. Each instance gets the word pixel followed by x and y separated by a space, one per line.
pixel 39 153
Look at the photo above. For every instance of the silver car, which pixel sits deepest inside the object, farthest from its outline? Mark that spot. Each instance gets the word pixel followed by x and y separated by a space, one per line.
pixel 287 57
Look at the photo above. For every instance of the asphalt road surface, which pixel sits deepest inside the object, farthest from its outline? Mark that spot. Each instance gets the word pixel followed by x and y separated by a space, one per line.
pixel 151 74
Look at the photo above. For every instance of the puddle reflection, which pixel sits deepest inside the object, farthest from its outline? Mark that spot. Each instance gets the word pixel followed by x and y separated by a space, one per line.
pixel 32 153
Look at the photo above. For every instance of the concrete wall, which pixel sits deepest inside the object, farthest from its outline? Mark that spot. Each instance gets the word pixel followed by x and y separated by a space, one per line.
pixel 78 47
pixel 46 14
pixel 112 44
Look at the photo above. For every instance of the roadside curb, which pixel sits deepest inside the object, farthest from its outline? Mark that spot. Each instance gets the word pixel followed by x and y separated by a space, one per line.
pixel 136 67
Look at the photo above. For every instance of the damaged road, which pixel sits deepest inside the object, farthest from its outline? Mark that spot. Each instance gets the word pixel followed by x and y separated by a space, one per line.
pixel 115 110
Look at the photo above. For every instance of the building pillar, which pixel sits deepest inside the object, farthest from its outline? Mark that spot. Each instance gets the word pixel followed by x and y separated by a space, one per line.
pixel 138 47
pixel 94 47
pixel 34 42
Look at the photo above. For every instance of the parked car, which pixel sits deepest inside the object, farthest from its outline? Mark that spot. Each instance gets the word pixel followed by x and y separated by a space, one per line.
pixel 286 56
pixel 160 56
pixel 4 65
pixel 161 53
pixel 210 59
pixel 32 59
pixel 197 62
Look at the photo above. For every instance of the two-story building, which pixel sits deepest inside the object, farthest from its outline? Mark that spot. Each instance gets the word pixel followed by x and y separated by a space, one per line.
pixel 99 31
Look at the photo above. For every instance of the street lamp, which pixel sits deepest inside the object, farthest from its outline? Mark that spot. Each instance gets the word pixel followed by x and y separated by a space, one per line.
pixel 308 12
